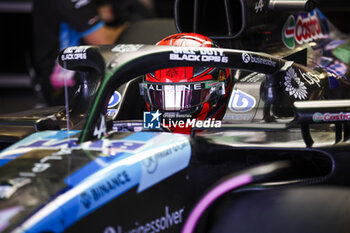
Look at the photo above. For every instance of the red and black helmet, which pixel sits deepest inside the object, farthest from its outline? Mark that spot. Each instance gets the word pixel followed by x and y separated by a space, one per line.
pixel 183 93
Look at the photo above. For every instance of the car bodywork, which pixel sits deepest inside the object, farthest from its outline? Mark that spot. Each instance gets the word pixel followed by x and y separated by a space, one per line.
pixel 288 103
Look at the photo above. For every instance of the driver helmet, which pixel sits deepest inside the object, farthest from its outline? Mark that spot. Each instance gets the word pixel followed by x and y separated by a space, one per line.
pixel 187 93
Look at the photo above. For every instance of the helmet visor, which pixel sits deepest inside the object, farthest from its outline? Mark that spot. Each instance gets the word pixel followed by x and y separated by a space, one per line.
pixel 180 96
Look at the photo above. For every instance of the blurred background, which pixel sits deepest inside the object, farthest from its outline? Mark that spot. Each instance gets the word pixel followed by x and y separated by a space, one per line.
pixel 16 88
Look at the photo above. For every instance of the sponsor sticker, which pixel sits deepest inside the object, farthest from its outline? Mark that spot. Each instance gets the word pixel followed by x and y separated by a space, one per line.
pixel 101 130
pixel 249 58
pixel 42 165
pixel 259 5
pixel 166 160
pixel 8 188
pixel 40 140
pixel 49 141
pixel 122 48
pixel 334 44
pixel 117 183
pixel 337 68
pixel 294 86
pixel 114 100
pixel 310 78
pixel 199 55
pixel 161 158
pixel 245 57
pixel 101 189
pixel 238 117
pixel 241 101
pixel 75 53
pixel 330 117
pixel 301 29
pixel 164 223
pixel 111 112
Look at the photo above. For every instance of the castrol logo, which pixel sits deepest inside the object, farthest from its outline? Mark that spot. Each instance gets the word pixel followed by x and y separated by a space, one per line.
pixel 301 29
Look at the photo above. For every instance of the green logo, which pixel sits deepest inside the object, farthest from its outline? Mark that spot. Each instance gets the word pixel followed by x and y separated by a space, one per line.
pixel 317 117
pixel 288 32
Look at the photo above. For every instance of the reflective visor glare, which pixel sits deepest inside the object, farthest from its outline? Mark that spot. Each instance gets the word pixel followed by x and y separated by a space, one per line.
pixel 177 97
pixel 173 98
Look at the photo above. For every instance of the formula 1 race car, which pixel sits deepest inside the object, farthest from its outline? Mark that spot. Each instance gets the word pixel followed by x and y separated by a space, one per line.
pixel 276 162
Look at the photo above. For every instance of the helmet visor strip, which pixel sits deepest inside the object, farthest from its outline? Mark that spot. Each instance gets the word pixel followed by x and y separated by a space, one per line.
pixel 180 96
